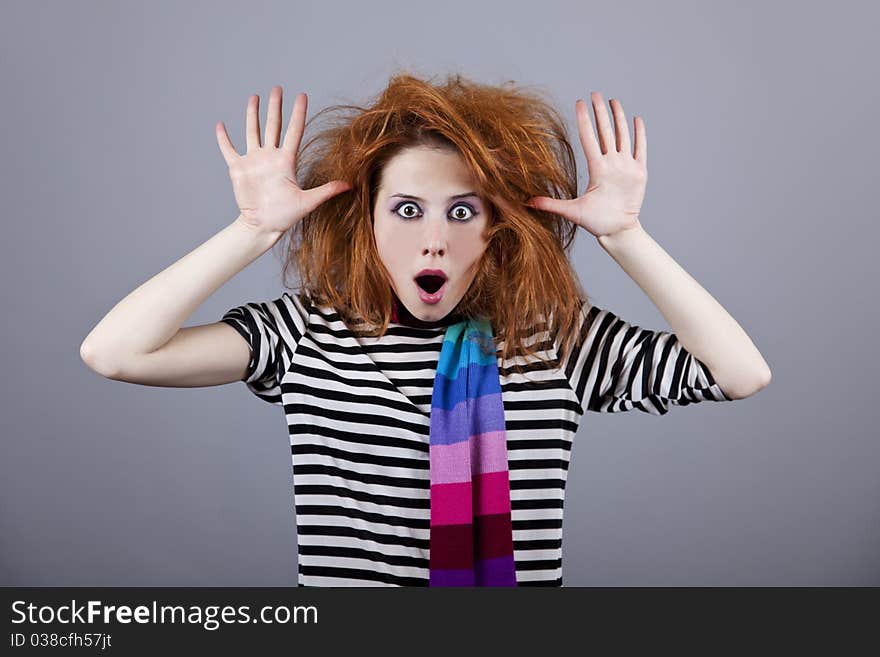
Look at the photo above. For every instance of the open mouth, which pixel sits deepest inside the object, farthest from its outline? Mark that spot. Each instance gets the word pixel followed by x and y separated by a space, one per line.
pixel 430 283
pixel 432 286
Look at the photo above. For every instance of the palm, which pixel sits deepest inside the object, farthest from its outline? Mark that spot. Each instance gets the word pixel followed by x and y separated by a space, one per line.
pixel 264 179
pixel 268 192
pixel 613 199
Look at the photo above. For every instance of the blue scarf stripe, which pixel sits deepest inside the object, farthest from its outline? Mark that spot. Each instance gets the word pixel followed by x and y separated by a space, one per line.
pixel 471 417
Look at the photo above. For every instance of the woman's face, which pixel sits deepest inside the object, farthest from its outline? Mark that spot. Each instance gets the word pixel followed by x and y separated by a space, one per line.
pixel 426 216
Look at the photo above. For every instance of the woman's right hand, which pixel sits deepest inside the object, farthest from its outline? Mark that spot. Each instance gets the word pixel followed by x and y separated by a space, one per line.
pixel 264 179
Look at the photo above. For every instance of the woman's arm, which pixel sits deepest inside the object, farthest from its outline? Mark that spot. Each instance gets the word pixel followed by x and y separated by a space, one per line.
pixel 153 313
pixel 701 324
pixel 270 202
pixel 609 210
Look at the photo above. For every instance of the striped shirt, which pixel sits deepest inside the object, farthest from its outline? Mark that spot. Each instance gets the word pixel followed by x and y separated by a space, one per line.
pixel 358 415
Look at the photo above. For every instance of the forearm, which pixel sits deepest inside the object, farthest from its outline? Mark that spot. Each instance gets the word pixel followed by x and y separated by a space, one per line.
pixel 153 313
pixel 702 325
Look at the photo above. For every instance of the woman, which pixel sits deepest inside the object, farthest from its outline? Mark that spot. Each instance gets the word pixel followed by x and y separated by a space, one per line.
pixel 436 362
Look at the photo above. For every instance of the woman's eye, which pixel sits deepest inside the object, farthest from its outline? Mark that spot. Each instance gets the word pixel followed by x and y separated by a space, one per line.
pixel 408 210
pixel 407 214
pixel 462 206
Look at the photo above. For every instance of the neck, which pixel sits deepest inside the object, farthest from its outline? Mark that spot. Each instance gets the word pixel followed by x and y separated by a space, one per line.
pixel 400 315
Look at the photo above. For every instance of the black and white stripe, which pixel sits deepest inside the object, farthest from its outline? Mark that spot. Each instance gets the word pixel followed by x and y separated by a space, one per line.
pixel 621 367
pixel 358 414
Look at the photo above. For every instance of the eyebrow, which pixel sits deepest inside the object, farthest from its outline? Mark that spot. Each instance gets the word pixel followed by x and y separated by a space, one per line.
pixel 466 194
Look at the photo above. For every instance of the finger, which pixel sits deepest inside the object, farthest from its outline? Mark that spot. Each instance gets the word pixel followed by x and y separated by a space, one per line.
pixel 641 152
pixel 603 123
pixel 621 129
pixel 226 147
pixel 253 123
pixel 295 127
pixel 585 129
pixel 273 118
pixel 318 195
pixel 554 205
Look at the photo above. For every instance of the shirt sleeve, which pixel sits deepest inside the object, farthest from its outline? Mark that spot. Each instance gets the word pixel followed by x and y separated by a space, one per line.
pixel 272 330
pixel 615 366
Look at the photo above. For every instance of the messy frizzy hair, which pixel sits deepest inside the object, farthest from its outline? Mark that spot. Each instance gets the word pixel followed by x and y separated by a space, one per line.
pixel 513 142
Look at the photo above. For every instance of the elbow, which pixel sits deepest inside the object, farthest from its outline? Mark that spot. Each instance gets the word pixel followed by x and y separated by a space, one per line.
pixel 761 382
pixel 96 361
pixel 754 385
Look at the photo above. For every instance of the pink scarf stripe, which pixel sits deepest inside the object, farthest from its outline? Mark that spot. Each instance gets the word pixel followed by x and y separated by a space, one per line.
pixel 459 461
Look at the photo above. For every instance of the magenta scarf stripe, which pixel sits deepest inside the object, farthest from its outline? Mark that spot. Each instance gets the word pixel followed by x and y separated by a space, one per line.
pixel 471 542
pixel 459 502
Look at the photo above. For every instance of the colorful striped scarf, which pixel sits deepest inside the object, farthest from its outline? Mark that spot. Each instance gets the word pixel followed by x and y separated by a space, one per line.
pixel 471 539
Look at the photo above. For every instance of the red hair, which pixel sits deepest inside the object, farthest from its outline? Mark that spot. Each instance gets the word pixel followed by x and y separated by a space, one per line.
pixel 514 143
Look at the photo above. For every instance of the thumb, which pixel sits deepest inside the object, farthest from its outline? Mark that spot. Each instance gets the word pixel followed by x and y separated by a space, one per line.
pixel 328 190
pixel 547 204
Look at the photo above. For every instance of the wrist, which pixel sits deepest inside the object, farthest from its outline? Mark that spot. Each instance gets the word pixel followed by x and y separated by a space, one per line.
pixel 256 233
pixel 621 238
pixel 259 239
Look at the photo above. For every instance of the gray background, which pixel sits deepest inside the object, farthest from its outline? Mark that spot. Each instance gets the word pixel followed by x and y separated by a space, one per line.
pixel 763 146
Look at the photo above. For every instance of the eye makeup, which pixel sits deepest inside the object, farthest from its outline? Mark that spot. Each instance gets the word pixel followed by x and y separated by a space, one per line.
pixel 473 211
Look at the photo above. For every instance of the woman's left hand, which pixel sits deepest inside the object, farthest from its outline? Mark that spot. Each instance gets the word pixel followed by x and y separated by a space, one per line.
pixel 613 198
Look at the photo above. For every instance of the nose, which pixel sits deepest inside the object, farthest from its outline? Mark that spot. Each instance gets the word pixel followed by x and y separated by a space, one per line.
pixel 434 237
pixel 434 249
